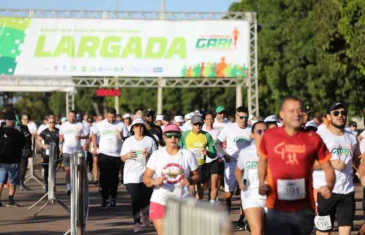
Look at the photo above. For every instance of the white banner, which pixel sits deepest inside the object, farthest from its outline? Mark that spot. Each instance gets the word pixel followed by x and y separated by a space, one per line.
pixel 103 47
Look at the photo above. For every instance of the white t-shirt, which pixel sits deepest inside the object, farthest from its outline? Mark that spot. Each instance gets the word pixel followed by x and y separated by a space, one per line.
pixel 110 144
pixel 237 138
pixel 70 132
pixel 86 131
pixel 362 142
pixel 134 168
pixel 214 133
pixel 174 168
pixel 220 125
pixel 340 147
pixel 32 127
pixel 248 161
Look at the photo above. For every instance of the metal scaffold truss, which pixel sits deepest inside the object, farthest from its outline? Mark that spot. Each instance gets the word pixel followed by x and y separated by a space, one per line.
pixel 73 82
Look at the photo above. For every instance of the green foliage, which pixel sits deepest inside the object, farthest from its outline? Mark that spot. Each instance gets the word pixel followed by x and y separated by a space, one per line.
pixel 311 49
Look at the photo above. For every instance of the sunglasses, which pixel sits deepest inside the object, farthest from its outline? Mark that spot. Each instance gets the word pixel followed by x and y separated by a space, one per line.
pixel 51 122
pixel 336 113
pixel 243 117
pixel 170 135
pixel 198 124
pixel 221 113
pixel 260 132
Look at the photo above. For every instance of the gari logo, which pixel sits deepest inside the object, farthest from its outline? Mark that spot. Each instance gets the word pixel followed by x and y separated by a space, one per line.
pixel 218 42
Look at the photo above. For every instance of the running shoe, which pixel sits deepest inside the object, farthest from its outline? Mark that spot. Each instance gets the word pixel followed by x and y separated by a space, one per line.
pixel 137 227
pixel 241 224
pixel 105 205
pixel 12 204
pixel 113 204
pixel 145 221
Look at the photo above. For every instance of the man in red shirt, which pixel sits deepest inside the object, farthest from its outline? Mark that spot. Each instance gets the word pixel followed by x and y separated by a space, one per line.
pixel 287 155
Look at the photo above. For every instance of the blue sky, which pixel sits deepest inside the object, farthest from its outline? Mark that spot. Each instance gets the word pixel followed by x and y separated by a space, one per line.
pixel 124 5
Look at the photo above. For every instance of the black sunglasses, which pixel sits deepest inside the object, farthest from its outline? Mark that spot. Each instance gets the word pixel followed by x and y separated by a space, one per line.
pixel 260 132
pixel 243 117
pixel 221 113
pixel 336 113
pixel 198 124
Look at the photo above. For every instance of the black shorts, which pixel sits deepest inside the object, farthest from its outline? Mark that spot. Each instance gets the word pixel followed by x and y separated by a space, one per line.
pixel 204 173
pixel 216 167
pixel 339 206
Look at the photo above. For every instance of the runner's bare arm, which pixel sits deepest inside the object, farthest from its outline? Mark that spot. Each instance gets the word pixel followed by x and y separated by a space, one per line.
pixel 263 188
pixel 39 141
pixel 195 177
pixel 238 173
pixel 93 137
pixel 357 156
pixel 329 174
pixel 149 181
pixel 361 173
pixel 316 165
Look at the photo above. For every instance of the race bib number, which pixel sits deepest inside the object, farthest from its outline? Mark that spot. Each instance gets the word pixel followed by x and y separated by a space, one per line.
pixel 253 178
pixel 199 155
pixel 323 223
pixel 290 190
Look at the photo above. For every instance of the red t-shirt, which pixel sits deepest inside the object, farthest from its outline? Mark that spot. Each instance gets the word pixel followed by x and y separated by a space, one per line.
pixel 290 165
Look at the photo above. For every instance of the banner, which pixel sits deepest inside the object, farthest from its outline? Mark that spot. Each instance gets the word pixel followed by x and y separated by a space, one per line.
pixel 135 48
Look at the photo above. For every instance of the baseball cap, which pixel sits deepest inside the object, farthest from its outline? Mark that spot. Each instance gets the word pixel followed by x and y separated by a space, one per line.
pixel 137 121
pixel 271 118
pixel 126 115
pixel 188 116
pixel 159 117
pixel 196 119
pixel 148 112
pixel 89 119
pixel 220 109
pixel 336 105
pixel 178 119
pixel 307 108
pixel 171 128
pixel 310 124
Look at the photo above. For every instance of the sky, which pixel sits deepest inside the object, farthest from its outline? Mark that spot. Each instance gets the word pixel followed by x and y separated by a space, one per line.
pixel 124 5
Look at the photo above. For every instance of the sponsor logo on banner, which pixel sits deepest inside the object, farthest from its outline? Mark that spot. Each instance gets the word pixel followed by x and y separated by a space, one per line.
pixel 219 41
pixel 158 69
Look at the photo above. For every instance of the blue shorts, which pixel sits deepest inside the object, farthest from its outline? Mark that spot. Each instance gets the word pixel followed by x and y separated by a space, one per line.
pixel 10 170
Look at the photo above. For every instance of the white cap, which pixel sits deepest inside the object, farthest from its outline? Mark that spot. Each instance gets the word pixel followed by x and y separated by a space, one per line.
pixel 159 117
pixel 310 124
pixel 178 119
pixel 271 118
pixel 64 119
pixel 188 116
pixel 126 115
pixel 137 121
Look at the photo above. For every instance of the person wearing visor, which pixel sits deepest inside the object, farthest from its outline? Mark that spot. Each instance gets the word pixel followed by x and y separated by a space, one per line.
pixel 201 144
pixel 169 171
pixel 135 152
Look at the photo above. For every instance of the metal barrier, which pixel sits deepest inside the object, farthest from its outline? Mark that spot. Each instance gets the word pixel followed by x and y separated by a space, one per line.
pixel 79 194
pixel 187 217
pixel 51 182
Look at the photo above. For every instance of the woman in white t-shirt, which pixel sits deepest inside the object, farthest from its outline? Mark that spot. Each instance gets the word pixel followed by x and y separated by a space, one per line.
pixel 135 151
pixel 247 177
pixel 170 171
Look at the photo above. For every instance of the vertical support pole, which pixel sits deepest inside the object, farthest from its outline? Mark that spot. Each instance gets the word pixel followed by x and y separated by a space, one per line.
pixel 52 172
pixel 80 185
pixel 238 95
pixel 160 79
pixel 116 98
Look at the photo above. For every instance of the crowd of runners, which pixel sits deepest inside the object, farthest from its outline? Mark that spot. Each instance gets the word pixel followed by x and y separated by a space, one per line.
pixel 294 173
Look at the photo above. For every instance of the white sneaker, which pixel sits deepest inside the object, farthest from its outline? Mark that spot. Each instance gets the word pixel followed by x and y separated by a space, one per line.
pixel 145 221
pixel 137 227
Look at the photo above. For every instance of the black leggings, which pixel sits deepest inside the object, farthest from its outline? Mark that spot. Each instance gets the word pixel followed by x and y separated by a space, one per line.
pixel 109 171
pixel 140 196
pixel 45 167
pixel 23 167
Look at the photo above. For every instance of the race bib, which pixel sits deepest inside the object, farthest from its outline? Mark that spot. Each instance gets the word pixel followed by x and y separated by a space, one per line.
pixel 290 190
pixel 47 151
pixel 323 223
pixel 253 178
pixel 199 155
pixel 175 192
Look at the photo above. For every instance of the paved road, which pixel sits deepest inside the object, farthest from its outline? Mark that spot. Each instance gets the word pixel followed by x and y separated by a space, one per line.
pixel 55 220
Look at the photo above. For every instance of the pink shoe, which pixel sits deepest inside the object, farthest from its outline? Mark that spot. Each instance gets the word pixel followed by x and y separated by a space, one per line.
pixel 137 228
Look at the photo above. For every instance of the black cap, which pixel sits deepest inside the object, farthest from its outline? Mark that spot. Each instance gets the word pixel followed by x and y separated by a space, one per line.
pixel 10 116
pixel 89 119
pixel 336 105
pixel 307 108
pixel 148 112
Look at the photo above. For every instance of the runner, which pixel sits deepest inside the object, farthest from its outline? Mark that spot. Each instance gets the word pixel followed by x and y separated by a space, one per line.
pixel 170 171
pixel 345 151
pixel 220 120
pixel 201 144
pixel 215 165
pixel 287 155
pixel 271 121
pixel 247 177
pixel 152 128
pixel 179 121
pixel 95 172
pixel 46 137
pixel 69 134
pixel 135 152
pixel 112 133
pixel 237 136
pixel 26 151
pixel 127 119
